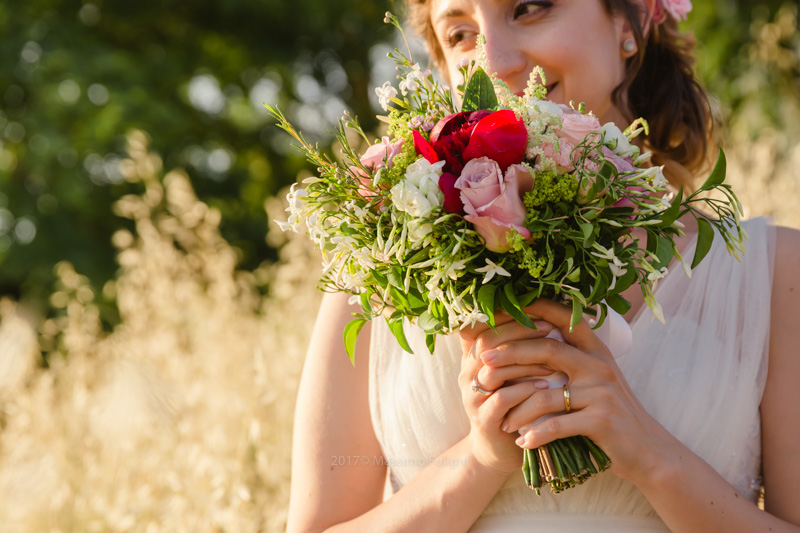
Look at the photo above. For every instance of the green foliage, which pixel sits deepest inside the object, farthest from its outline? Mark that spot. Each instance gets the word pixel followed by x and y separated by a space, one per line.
pixel 75 77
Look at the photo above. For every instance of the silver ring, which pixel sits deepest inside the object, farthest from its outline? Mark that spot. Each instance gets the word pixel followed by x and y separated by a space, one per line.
pixel 476 386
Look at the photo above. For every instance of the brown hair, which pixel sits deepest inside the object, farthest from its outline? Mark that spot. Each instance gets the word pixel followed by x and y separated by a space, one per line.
pixel 659 86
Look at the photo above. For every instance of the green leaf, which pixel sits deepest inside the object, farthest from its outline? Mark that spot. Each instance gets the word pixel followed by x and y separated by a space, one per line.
pixel 430 342
pixel 396 328
pixel 508 306
pixel 671 214
pixel 486 301
pixel 479 93
pixel 718 174
pixel 351 331
pixel 588 234
pixel 429 323
pixel 577 313
pixel 705 236
pixel 396 278
pixel 664 252
pixel 529 297
pixel 618 303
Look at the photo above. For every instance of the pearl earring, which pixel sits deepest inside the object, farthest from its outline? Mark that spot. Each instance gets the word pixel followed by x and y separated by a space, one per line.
pixel 629 46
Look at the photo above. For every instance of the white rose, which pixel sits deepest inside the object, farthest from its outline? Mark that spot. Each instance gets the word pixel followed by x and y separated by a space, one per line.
pixel 546 108
pixel 409 199
pixel 617 141
pixel 418 194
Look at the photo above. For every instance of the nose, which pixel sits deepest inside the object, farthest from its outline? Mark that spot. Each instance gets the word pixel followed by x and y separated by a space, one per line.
pixel 506 57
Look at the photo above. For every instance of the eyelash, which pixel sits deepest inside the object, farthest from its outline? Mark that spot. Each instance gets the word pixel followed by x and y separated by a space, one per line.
pixel 538 4
pixel 457 38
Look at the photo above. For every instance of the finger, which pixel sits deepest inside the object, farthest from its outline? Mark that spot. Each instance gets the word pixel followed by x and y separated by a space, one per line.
pixel 547 352
pixel 511 331
pixel 558 427
pixel 546 402
pixel 494 408
pixel 560 316
pixel 470 333
pixel 494 377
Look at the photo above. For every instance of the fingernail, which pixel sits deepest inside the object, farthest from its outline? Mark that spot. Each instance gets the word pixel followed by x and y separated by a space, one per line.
pixel 524 429
pixel 504 427
pixel 520 441
pixel 488 356
pixel 541 384
pixel 543 325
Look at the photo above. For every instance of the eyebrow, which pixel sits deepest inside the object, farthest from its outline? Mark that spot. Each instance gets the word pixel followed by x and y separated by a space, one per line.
pixel 450 13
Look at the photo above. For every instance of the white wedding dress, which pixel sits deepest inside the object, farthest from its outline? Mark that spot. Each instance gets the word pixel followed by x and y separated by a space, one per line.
pixel 701 376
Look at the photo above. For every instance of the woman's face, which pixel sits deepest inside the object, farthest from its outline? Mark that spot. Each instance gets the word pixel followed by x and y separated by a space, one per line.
pixel 576 42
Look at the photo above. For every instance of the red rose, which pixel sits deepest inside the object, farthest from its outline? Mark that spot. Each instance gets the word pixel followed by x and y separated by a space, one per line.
pixel 452 196
pixel 451 135
pixel 501 137
pixel 424 148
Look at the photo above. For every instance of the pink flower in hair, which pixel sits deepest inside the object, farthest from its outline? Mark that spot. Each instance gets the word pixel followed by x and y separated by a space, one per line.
pixel 678 9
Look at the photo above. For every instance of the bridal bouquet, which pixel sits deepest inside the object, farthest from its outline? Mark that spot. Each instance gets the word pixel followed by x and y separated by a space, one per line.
pixel 488 200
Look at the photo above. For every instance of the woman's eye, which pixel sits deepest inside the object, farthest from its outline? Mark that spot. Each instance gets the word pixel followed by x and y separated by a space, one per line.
pixel 460 38
pixel 530 6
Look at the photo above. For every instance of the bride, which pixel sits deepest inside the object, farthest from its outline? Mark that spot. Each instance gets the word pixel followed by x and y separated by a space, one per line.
pixel 697 417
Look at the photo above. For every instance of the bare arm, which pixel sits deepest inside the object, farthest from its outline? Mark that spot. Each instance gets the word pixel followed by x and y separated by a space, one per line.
pixel 333 421
pixel 708 502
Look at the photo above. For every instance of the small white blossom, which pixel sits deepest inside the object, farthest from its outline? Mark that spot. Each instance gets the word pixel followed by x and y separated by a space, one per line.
pixel 413 80
pixel 617 141
pixel 418 232
pixel 617 267
pixel 385 93
pixel 655 175
pixel 471 318
pixel 490 270
pixel 453 269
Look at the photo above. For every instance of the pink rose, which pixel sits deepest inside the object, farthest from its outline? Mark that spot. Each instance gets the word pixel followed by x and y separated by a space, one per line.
pixel 575 127
pixel 493 203
pixel 562 156
pixel 381 154
pixel 679 9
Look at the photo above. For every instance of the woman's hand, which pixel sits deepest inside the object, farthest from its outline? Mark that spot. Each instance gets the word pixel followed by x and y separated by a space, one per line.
pixel 513 384
pixel 602 404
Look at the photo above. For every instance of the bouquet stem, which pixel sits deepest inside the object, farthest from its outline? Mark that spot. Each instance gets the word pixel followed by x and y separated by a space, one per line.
pixel 563 463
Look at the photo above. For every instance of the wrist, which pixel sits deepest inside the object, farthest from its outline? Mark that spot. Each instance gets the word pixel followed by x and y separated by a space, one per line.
pixel 487 461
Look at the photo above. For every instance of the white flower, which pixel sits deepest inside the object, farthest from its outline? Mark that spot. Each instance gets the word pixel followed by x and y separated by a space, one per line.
pixel 418 194
pixel 655 175
pixel 617 141
pixel 470 318
pixel 490 270
pixel 617 267
pixel 417 232
pixel 385 93
pixel 453 269
pixel 545 107
pixel 413 80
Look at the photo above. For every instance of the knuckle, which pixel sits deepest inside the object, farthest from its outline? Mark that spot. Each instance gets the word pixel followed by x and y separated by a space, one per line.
pixel 552 425
pixel 542 399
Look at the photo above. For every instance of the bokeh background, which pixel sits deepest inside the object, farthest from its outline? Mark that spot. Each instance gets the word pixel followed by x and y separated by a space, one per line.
pixel 152 321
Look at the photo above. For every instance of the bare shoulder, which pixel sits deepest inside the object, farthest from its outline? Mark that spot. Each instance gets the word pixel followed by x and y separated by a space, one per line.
pixel 787 260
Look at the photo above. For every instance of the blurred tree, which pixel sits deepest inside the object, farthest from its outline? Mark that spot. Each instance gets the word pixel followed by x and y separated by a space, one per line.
pixel 75 77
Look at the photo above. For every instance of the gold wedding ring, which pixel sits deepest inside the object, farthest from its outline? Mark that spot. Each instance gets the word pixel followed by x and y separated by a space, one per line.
pixel 567 407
